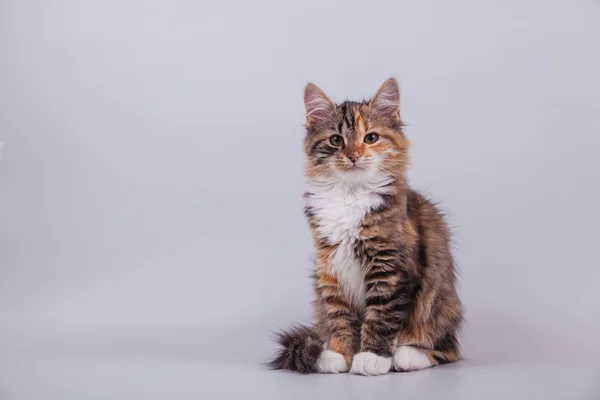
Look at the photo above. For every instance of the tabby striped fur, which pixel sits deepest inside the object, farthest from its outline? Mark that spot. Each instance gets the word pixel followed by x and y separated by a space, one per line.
pixel 384 274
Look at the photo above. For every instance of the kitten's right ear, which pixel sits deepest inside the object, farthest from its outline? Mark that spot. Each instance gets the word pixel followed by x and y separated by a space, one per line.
pixel 387 100
pixel 318 106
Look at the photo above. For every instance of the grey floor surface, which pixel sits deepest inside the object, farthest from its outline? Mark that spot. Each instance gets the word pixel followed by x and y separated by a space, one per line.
pixel 47 377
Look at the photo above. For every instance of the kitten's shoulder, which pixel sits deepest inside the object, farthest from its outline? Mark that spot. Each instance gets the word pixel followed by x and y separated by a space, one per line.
pixel 425 212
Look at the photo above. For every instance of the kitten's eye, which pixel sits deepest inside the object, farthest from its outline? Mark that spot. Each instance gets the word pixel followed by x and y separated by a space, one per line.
pixel 371 138
pixel 336 140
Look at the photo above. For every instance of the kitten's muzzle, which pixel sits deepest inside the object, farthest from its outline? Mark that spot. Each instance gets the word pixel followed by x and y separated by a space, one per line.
pixel 354 156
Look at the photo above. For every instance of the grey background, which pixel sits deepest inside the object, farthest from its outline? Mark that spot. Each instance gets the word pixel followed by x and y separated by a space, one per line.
pixel 151 227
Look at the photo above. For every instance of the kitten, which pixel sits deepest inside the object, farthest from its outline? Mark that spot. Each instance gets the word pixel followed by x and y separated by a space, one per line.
pixel 384 276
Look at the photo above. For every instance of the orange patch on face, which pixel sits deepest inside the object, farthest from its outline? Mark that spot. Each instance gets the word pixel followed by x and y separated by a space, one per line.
pixel 400 143
pixel 380 146
pixel 361 127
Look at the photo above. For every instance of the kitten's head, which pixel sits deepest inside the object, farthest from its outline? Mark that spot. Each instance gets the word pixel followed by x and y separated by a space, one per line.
pixel 354 142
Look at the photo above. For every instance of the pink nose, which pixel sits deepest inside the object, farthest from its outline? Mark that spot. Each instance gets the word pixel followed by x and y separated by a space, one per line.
pixel 353 157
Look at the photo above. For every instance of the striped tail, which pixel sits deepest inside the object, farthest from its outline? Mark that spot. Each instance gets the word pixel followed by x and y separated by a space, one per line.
pixel 301 350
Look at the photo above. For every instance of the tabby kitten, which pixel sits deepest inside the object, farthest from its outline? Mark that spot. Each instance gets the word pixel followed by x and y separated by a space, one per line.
pixel 384 275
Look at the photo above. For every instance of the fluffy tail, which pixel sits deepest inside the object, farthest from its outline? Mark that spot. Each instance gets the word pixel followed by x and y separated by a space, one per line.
pixel 301 349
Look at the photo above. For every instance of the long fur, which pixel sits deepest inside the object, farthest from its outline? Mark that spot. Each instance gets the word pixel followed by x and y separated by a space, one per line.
pixel 301 347
pixel 385 280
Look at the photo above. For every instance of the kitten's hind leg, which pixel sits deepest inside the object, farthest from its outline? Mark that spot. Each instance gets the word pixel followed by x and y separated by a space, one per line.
pixel 412 358
pixel 409 358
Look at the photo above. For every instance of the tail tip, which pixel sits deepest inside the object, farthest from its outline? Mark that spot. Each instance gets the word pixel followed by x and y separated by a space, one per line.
pixel 301 349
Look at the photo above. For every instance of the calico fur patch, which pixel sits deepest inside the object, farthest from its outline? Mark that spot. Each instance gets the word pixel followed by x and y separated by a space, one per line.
pixel 385 280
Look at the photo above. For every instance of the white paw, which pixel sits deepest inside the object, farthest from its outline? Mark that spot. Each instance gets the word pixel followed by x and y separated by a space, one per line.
pixel 408 358
pixel 331 362
pixel 367 363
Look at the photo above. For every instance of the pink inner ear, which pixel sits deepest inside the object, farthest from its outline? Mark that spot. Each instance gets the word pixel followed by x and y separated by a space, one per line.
pixel 317 105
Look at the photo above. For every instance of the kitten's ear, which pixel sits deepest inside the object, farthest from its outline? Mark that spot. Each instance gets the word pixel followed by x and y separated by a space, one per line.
pixel 318 106
pixel 387 100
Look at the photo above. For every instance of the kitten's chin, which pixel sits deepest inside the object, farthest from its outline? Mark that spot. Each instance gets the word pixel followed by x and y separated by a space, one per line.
pixel 357 175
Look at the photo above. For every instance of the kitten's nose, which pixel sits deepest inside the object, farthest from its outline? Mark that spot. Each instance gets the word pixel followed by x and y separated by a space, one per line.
pixel 354 156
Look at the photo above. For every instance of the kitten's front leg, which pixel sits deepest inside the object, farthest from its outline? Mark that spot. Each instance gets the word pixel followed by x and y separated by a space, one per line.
pixel 390 289
pixel 341 323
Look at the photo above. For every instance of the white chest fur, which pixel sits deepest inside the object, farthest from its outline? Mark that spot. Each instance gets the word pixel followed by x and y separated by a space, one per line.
pixel 339 210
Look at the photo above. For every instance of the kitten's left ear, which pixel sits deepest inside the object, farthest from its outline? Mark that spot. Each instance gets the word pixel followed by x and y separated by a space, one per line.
pixel 319 107
pixel 387 100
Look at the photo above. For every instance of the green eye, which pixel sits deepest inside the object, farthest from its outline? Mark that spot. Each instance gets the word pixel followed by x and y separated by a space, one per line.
pixel 371 138
pixel 336 140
